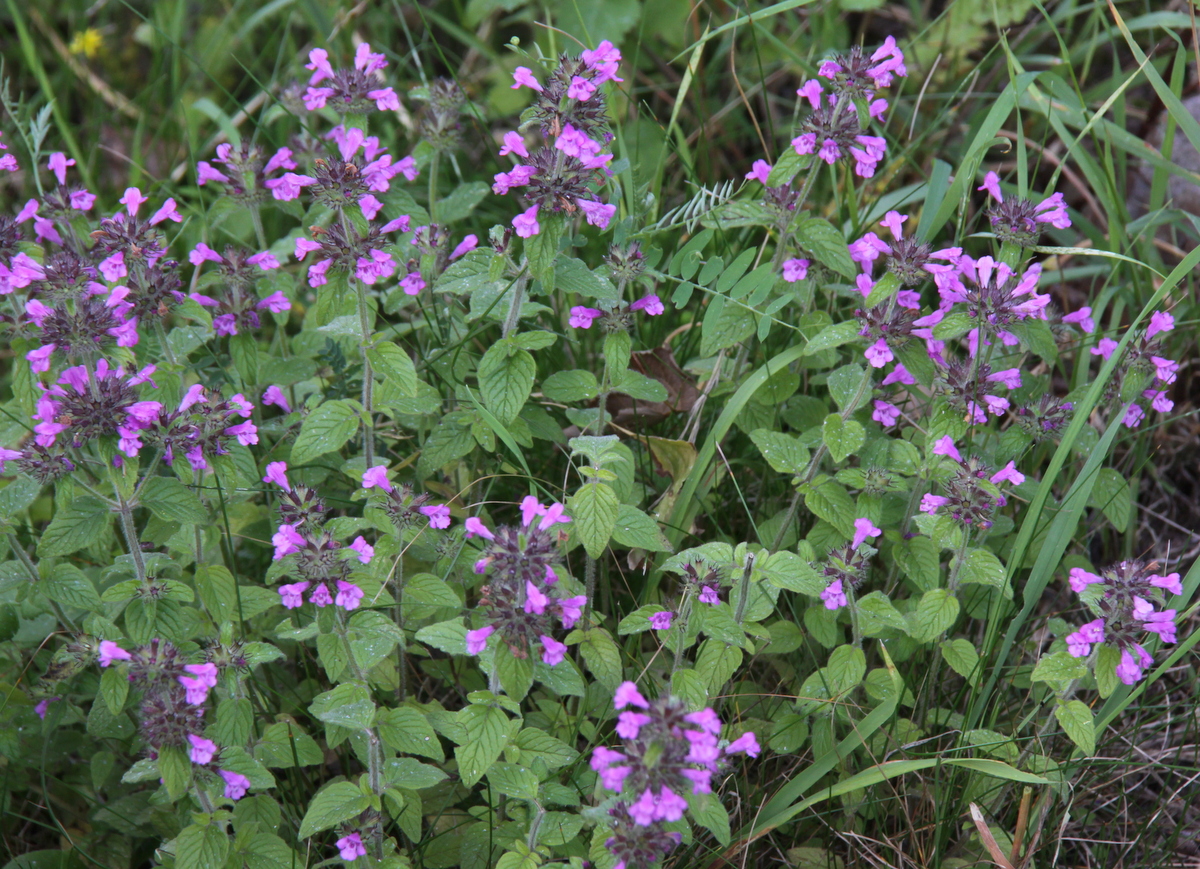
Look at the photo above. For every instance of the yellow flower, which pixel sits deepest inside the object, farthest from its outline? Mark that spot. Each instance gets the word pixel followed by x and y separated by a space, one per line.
pixel 87 42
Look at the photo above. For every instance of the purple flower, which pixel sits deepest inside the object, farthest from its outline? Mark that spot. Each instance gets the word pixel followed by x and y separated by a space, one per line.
pixel 795 270
pixel 523 75
pixel 525 224
pixel 236 784
pixel 552 650
pixel 580 88
pixel 930 503
pixel 1105 348
pixel 412 284
pixel 1170 582
pixel 58 164
pixel 661 621
pixel 364 549
pixel 377 476
pixel 43 705
pixel 760 172
pixel 286 540
pixel 514 143
pixel 288 186
pixel 747 743
pixel 132 200
pixel 885 414
pixel 571 609
pixel 1079 643
pixel 468 244
pixel 477 639
pixel 167 212
pixel 627 694
pixel 1160 321
pixel 1008 474
pixel 863 528
pixel 834 595
pixel 1133 415
pixel 110 651
pixel 291 595
pixel 351 847
pixel 945 447
pixel 274 395
pixel 474 526
pixel 582 317
pixel 879 354
pixel 349 594
pixel 597 213
pixel 629 724
pixel 1083 317
pixel 439 515
pixel 1133 664
pixel 651 304
pixel 535 601
pixel 202 750
pixel 708 595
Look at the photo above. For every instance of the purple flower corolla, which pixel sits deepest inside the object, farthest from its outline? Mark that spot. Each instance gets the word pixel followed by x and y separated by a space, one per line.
pixel 286 541
pixel 523 75
pixel 627 694
pixel 1079 643
pixel 884 413
pixel 351 847
pixel 834 595
pixel 236 784
pixel 760 172
pixel 132 200
pixel 110 651
pixel 202 750
pixel 477 639
pixel 1160 321
pixel 58 164
pixel 553 651
pixel 292 595
pixel 474 526
pixel 377 477
pixel 651 304
pixel 364 549
pixel 747 743
pixel 582 317
pixel 348 594
pixel 795 270
pixel 945 447
pixel 863 528
pixel 438 515
pixel 661 621
pixel 535 601
pixel 514 143
pixel 603 59
pixel 277 473
pixel 525 224
pixel 1082 317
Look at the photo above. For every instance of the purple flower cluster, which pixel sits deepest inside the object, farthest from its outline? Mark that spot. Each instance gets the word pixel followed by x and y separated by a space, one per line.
pixel 173 703
pixel 667 753
pixel 1016 220
pixel 846 567
pixel 1142 375
pixel 202 426
pixel 403 507
pixel 1124 598
pixel 87 402
pixel 321 562
pixel 565 174
pixel 237 309
pixel 520 599
pixel 349 90
pixel 972 493
pixel 832 129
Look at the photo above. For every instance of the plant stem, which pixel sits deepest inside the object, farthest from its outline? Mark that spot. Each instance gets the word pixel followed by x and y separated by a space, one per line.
pixel 514 308
pixel 131 536
pixel 744 589
pixel 401 667
pixel 589 578
pixel 368 376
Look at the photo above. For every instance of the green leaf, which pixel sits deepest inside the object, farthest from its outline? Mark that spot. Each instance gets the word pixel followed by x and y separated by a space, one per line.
pixel 267 851
pixel 404 772
pixel 934 614
pixel 488 730
pixel 176 770
pixel 635 529
pixel 285 744
pixel 395 366
pixel 235 721
pixel 876 614
pixel 825 498
pixel 218 591
pixel 372 636
pixel 1111 494
pixel 1060 666
pixel 843 437
pixel 787 166
pixel 407 730
pixel 920 561
pixel 18 494
pixel 338 802
pixel 960 654
pixel 449 636
pixel 725 324
pixel 80 524
pixel 639 386
pixel 69 586
pixel 1077 723
pixel 824 242
pixel 461 201
pixel 513 780
pixel 788 570
pixel 570 386
pixel 468 274
pixel 201 847
pixel 716 662
pixel 505 380
pixel 346 705
pixel 953 325
pixel 447 442
pixel 573 276
pixel 983 567
pixel 533 340
pixel 600 654
pixel 559 828
pixel 515 674
pixel 430 590
pixel 325 430
pixel 170 500
pixel 783 452
pixel 845 670
pixel 594 509
pixel 833 336
pixel 617 349
pixel 114 688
